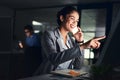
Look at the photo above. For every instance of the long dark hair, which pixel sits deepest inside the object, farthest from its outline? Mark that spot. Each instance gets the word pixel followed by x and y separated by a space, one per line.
pixel 66 10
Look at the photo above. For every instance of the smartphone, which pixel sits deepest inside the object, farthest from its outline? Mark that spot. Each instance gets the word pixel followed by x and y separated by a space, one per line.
pixel 75 30
pixel 20 44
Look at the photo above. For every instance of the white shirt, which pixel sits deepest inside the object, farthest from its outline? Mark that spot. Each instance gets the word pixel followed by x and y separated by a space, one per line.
pixel 66 64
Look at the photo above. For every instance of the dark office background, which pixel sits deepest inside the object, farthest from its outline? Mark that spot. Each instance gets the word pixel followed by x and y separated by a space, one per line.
pixel 15 14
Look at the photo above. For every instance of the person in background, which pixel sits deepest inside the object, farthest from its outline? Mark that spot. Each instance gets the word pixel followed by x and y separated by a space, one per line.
pixel 32 39
pixel 60 50
pixel 33 56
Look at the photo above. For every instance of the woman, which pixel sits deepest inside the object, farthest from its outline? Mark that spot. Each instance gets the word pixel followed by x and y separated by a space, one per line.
pixel 60 50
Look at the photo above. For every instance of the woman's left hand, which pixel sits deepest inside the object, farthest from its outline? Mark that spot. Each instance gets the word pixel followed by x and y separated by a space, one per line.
pixel 78 36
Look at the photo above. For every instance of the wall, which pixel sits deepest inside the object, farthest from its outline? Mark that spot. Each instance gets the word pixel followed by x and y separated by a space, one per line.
pixel 5 55
pixel 5 12
pixel 6 26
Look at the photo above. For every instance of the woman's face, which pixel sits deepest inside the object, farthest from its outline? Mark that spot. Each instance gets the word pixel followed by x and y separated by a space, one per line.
pixel 70 21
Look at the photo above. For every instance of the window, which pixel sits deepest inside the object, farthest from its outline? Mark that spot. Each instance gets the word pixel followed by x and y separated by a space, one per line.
pixel 93 24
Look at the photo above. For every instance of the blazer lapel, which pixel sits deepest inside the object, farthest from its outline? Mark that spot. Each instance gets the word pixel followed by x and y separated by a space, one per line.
pixel 59 42
pixel 58 39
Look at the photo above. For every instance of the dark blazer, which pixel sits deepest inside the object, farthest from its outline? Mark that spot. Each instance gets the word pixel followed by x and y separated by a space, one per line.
pixel 53 53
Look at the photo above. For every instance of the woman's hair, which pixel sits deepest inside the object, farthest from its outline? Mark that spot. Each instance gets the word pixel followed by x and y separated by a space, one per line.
pixel 66 10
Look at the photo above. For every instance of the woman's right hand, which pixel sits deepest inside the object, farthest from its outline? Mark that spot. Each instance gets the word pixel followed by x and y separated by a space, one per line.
pixel 93 43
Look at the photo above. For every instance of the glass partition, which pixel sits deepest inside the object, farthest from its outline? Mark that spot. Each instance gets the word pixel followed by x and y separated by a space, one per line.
pixel 93 24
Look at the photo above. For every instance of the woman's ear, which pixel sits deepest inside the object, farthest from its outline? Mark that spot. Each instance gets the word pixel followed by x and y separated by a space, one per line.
pixel 61 18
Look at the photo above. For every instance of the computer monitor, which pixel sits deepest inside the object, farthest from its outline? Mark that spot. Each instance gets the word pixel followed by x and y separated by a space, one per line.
pixel 110 54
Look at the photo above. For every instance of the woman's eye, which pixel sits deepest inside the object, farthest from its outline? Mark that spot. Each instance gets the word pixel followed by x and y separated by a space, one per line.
pixel 72 18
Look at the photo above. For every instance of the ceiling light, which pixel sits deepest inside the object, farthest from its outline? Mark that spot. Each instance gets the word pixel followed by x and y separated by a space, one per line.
pixel 36 23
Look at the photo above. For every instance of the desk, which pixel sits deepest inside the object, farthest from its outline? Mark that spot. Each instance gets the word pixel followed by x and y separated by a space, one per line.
pixel 57 77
